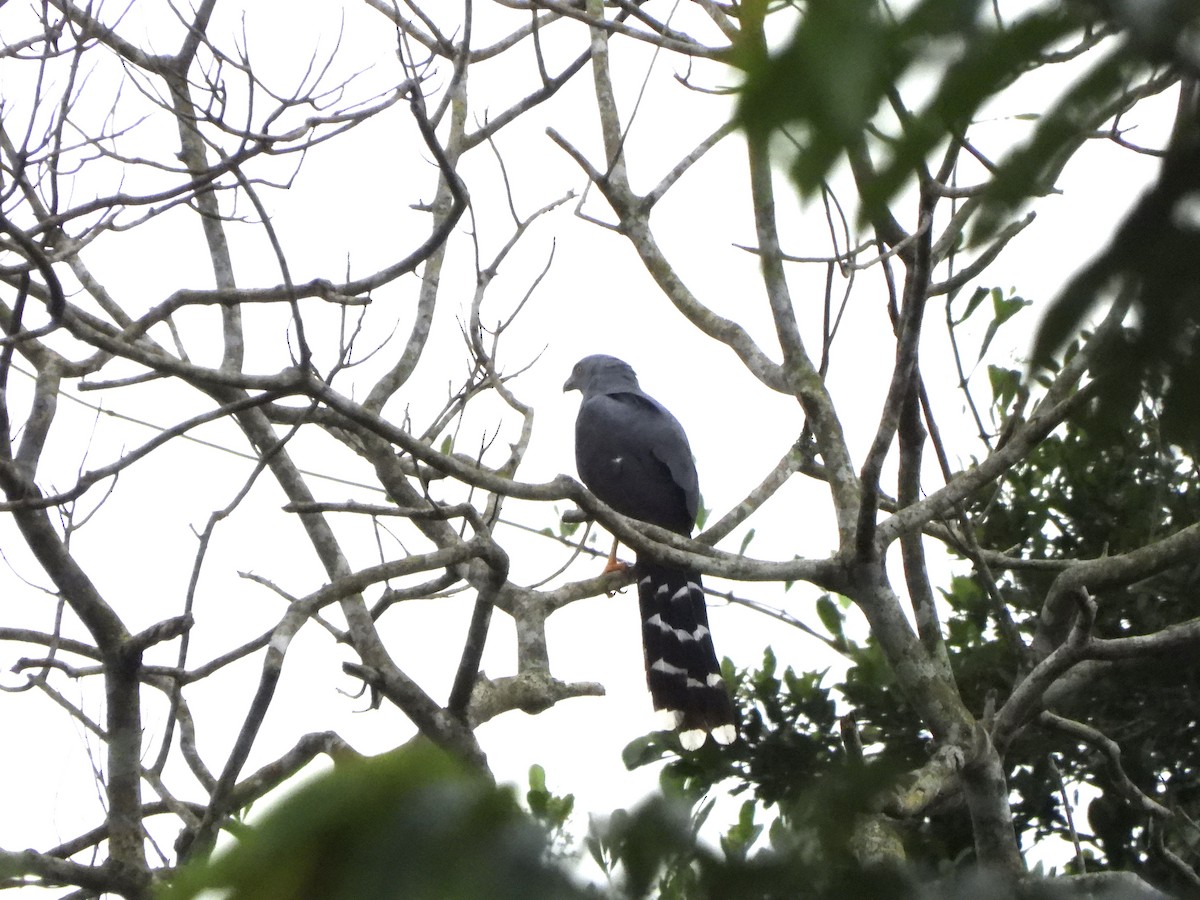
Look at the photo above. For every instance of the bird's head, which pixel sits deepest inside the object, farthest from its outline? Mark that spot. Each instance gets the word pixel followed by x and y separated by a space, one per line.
pixel 601 374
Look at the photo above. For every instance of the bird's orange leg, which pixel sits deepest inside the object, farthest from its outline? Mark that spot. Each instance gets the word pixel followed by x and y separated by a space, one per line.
pixel 614 564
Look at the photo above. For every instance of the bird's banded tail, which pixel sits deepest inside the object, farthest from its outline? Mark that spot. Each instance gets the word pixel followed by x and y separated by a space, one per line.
pixel 682 671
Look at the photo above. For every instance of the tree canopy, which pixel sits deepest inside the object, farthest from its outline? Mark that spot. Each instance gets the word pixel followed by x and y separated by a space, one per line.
pixel 287 294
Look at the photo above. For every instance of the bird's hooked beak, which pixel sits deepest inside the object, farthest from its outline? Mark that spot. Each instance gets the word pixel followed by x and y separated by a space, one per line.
pixel 571 384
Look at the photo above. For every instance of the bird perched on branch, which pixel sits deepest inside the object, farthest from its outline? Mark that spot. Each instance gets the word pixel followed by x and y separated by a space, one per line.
pixel 634 455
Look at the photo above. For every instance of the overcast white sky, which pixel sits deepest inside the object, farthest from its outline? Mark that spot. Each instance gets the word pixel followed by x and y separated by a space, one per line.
pixel 349 207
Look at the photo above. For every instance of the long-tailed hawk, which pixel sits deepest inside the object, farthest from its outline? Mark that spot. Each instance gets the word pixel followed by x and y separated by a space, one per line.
pixel 634 455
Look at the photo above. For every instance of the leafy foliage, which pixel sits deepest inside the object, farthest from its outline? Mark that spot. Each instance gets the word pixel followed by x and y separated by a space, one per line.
pixel 790 763
pixel 1153 264
pixel 550 810
pixel 1097 488
pixel 403 824
pixel 827 85
pixel 1092 488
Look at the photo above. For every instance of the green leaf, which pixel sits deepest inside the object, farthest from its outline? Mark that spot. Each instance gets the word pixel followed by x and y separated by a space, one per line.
pixel 746 539
pixel 447 444
pixel 977 298
pixel 537 777
pixel 597 846
pixel 644 751
pixel 701 814
pixel 964 593
pixel 1068 311
pixel 537 796
pixel 1003 309
pixel 565 806
pixel 831 617
pixel 768 663
pixel 737 841
pixel 1005 384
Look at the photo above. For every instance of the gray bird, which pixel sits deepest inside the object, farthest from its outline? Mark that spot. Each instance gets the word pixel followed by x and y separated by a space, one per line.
pixel 634 455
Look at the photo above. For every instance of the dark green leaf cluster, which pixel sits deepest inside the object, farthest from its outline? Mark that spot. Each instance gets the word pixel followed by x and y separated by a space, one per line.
pixel 789 732
pixel 550 810
pixel 407 825
pixel 1152 261
pixel 846 60
pixel 1094 487
pixel 1097 487
pixel 795 835
pixel 790 762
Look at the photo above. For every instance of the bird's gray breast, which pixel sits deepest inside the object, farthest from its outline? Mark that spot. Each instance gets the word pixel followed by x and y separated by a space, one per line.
pixel 621 442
